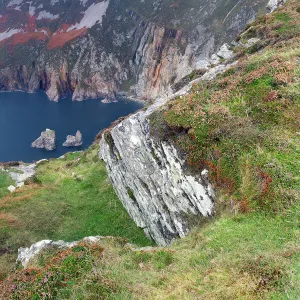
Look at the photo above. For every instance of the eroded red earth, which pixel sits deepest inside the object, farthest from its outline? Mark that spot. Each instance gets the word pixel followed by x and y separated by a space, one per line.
pixel 31 31
pixel 3 19
pixel 61 38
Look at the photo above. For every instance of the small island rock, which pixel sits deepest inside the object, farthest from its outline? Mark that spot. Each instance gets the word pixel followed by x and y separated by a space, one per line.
pixel 73 141
pixel 45 141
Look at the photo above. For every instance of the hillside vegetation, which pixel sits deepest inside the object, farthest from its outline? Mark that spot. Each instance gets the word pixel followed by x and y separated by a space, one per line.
pixel 245 128
pixel 69 199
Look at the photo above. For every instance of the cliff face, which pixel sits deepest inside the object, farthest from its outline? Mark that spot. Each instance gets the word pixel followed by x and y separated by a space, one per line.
pixel 151 177
pixel 94 48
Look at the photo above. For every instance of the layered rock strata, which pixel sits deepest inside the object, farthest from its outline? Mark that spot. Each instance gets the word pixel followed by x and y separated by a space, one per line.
pixel 151 178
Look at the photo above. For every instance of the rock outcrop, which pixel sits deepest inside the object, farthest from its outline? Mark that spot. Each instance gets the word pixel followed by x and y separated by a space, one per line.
pixel 94 48
pixel 46 141
pixel 22 172
pixel 25 255
pixel 73 141
pixel 28 255
pixel 274 4
pixel 151 178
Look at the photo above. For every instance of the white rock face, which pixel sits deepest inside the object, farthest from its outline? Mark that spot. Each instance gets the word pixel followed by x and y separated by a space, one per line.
pixel 151 179
pixel 11 188
pixel 21 173
pixel 25 255
pixel 225 52
pixel 274 4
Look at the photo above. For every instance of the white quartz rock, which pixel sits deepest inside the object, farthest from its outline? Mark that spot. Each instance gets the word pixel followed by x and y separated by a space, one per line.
pixel 11 188
pixel 25 255
pixel 274 4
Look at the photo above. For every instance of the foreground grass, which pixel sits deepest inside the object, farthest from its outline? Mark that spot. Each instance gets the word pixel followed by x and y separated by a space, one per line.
pixel 5 181
pixel 253 256
pixel 70 199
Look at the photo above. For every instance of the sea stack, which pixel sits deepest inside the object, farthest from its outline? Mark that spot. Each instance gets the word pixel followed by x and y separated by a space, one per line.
pixel 46 140
pixel 73 141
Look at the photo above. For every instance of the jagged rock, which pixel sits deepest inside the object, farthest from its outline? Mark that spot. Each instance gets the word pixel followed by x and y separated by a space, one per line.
pixel 251 42
pixel 150 177
pixel 26 255
pixel 225 52
pixel 73 141
pixel 45 141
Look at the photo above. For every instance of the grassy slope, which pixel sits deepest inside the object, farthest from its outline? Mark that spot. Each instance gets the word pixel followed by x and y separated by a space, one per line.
pixel 243 257
pixel 62 207
pixel 244 127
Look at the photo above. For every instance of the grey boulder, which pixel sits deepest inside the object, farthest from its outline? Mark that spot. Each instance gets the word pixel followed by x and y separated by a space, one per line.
pixel 73 141
pixel 45 141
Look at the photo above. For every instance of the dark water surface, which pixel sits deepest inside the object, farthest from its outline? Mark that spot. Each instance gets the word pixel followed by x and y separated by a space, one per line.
pixel 23 117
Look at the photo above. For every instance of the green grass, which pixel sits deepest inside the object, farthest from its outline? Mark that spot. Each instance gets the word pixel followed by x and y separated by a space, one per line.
pixel 5 182
pixel 72 201
pixel 244 126
pixel 253 256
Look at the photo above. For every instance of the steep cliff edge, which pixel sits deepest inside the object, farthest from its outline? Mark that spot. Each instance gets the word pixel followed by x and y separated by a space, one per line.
pixel 151 170
pixel 95 48
pixel 152 179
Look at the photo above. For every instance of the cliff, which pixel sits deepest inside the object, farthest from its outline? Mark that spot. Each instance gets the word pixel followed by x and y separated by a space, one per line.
pixel 152 179
pixel 97 48
pixel 234 129
pixel 159 161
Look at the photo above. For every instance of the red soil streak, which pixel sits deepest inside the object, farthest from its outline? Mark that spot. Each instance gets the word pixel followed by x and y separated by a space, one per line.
pixel 23 38
pixel 3 19
pixel 31 26
pixel 62 38
pixel 64 27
